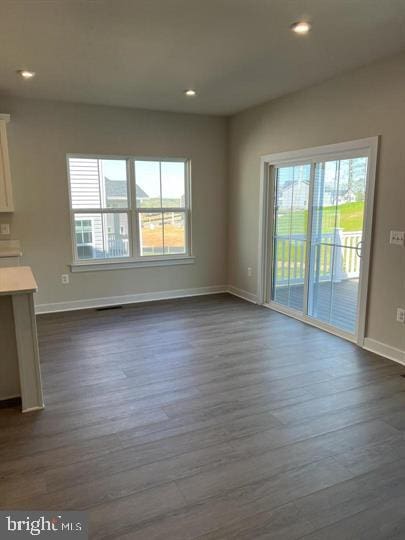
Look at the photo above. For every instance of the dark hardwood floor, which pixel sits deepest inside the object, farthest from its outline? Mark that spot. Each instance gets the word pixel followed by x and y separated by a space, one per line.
pixel 209 418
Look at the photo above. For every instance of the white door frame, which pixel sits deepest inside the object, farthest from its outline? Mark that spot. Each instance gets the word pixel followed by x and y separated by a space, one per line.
pixel 367 147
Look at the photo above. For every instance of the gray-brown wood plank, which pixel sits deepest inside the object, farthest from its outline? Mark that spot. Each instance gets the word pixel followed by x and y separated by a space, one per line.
pixel 209 418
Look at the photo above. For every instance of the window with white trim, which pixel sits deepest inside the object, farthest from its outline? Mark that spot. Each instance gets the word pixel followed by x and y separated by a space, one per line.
pixel 129 209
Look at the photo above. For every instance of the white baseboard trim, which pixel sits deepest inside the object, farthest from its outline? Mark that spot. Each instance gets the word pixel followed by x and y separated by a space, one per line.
pixel 31 409
pixel 240 293
pixel 127 299
pixel 382 349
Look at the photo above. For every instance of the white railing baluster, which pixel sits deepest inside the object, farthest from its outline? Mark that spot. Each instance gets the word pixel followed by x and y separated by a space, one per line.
pixel 282 260
pixel 303 244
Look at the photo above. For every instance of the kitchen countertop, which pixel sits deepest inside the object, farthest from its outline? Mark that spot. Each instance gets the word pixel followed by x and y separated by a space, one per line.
pixel 17 280
pixel 10 248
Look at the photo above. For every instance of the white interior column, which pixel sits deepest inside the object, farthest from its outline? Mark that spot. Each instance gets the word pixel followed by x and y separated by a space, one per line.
pixel 28 353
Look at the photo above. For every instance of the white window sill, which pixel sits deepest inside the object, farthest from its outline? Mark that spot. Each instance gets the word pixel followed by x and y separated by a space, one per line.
pixel 92 266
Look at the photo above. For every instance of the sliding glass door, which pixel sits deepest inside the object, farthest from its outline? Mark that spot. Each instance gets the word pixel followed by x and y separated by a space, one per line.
pixel 318 211
pixel 290 234
pixel 336 241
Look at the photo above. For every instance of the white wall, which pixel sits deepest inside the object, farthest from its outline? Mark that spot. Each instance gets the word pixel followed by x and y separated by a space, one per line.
pixel 40 135
pixel 367 102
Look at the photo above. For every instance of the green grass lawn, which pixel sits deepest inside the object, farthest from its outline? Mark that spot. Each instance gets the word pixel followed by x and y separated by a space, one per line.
pixel 349 218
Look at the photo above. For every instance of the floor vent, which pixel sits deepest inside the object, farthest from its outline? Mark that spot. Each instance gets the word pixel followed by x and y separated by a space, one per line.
pixel 108 307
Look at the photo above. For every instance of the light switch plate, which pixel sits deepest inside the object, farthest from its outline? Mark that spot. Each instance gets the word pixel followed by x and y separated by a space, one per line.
pixel 397 238
pixel 5 228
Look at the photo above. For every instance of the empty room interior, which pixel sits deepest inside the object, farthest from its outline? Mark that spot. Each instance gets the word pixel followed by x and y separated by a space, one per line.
pixel 202 269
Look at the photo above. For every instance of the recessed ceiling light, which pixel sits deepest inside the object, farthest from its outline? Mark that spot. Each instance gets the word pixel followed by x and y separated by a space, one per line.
pixel 190 92
pixel 26 74
pixel 301 27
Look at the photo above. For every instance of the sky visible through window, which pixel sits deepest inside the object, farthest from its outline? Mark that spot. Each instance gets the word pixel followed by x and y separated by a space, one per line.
pixel 147 176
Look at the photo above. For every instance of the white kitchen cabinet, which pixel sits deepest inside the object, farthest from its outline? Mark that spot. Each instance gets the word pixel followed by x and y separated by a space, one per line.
pixel 6 192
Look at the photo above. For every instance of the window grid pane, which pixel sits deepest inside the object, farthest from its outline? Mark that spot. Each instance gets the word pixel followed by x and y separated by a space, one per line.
pixel 151 233
pixel 98 183
pixel 174 233
pixel 148 184
pixel 101 235
pixel 173 184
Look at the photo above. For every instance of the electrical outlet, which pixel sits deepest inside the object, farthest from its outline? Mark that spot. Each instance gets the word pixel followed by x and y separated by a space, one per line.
pixel 5 228
pixel 397 238
pixel 64 279
pixel 401 315
pixel 249 271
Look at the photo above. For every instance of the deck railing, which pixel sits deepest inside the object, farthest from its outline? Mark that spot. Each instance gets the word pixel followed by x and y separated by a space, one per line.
pixel 336 253
pixel 118 245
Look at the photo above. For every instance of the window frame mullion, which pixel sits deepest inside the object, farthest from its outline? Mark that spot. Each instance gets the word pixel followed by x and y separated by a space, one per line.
pixel 133 225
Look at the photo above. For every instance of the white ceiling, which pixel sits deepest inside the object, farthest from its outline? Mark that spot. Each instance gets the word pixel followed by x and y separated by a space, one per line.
pixel 144 53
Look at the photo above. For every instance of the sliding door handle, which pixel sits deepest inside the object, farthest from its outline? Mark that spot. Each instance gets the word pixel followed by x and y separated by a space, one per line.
pixel 359 249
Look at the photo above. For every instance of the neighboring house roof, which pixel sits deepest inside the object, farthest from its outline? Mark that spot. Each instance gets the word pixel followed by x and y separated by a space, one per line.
pixel 118 188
